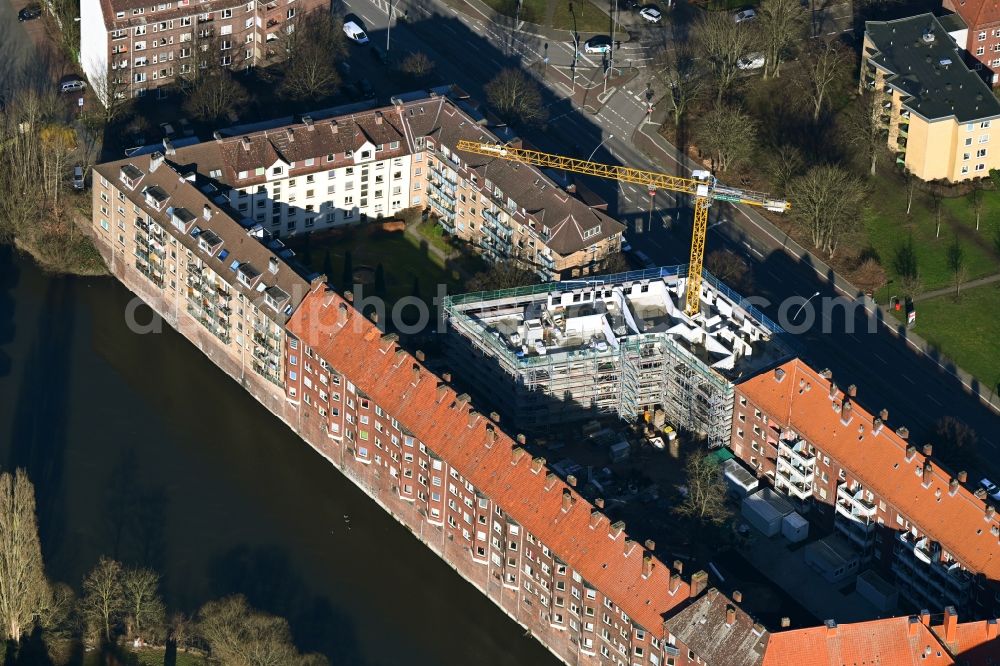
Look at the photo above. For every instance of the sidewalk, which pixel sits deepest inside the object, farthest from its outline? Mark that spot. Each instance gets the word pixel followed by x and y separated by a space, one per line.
pixel 662 152
pixel 989 279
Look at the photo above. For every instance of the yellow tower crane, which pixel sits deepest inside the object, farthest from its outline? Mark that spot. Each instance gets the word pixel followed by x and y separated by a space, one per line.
pixel 703 186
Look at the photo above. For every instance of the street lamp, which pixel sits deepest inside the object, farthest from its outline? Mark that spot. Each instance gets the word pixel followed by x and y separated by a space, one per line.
pixel 594 152
pixel 795 316
pixel 388 30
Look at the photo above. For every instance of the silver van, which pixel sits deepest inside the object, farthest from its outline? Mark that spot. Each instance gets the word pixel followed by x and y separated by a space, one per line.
pixel 73 85
pixel 78 181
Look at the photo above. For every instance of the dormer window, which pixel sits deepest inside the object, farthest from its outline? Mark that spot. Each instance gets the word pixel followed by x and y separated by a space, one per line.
pixel 275 297
pixel 277 171
pixel 130 175
pixel 155 196
pixel 181 217
pixel 209 241
pixel 366 154
pixel 272 265
pixel 247 274
pixel 589 233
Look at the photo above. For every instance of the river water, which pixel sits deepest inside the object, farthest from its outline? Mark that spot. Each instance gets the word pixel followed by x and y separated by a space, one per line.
pixel 141 449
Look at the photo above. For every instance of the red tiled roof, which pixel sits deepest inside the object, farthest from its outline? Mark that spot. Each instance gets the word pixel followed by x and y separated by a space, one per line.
pixel 802 401
pixel 975 644
pixel 887 642
pixel 977 12
pixel 444 426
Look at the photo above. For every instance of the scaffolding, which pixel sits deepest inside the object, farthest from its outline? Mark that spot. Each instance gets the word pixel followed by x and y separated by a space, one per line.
pixel 623 371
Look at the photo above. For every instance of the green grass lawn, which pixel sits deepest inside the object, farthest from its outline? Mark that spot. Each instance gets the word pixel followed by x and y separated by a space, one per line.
pixel 432 232
pixel 888 227
pixel 404 263
pixel 965 331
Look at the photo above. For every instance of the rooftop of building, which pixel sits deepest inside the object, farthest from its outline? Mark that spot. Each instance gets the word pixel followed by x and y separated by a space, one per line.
pixel 599 315
pixel 448 426
pixel 971 643
pixel 899 641
pixel 928 68
pixel 565 223
pixel 816 409
pixel 172 194
pixel 718 632
pixel 977 13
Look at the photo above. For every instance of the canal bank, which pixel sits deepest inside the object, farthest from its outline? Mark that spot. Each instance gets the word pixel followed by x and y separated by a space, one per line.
pixel 140 448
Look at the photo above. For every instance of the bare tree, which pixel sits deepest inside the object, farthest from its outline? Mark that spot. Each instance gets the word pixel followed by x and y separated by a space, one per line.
pixel 417 64
pixel 828 202
pixel 681 72
pixel 821 65
pixel 614 263
pixel 727 133
pixel 706 491
pixel 112 89
pixel 785 164
pixel 869 275
pixel 144 610
pixel 730 268
pixel 501 275
pixel 865 127
pixel 312 47
pixel 976 199
pixel 723 42
pixel 58 618
pixel 957 265
pixel 58 144
pixel 781 24
pixel 24 591
pixel 516 97
pixel 214 96
pixel 239 634
pixel 911 185
pixel 103 597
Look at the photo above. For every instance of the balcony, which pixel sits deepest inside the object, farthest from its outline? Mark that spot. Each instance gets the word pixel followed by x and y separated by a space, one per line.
pixel 445 174
pixel 445 214
pixel 854 506
pixel 441 194
pixel 209 322
pixel 801 490
pixel 860 535
pixel 792 472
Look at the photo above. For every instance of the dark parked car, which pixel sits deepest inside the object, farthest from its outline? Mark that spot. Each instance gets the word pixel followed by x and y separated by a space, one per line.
pixel 29 13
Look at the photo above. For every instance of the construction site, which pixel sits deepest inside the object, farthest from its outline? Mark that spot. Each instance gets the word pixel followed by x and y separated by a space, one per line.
pixel 619 345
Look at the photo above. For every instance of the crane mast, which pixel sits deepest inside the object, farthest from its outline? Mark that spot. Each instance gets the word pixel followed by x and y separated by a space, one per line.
pixel 703 187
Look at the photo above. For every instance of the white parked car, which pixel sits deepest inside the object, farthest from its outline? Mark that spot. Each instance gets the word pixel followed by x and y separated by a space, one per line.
pixel 751 61
pixel 651 13
pixel 597 45
pixel 355 33
pixel 745 15
pixel 991 489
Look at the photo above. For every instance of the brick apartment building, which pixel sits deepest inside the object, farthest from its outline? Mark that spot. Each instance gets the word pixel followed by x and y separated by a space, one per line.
pixel 900 510
pixel 322 173
pixel 128 48
pixel 938 115
pixel 227 288
pixel 981 35
pixel 528 540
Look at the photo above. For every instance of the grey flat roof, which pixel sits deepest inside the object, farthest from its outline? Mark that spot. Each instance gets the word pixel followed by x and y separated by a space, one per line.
pixel 931 75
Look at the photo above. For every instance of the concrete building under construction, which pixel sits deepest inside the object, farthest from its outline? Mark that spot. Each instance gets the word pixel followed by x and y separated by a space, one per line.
pixel 620 345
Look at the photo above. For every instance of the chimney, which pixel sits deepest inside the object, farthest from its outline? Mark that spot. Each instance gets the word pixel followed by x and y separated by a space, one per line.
pixel 831 628
pixel 387 341
pixel 647 565
pixel 730 615
pixel 168 147
pixel 884 415
pixel 571 480
pixel 521 438
pixel 495 417
pixel 779 374
pixel 446 377
pixel 699 581
pixel 630 546
pixel 950 624
pixel 461 400
pixel 599 502
pixel 678 566
pixel 786 622
pixel 420 356
pixel 378 117
pixel 491 435
pixel 206 213
pixel 308 122
pixel 673 583
pixel 333 126
pixel 912 627
pixel 342 313
pixel 217 135
pixel 442 391
pixel 516 454
pixel 550 480
pixel 962 476
pixel 650 545
pixel 953 486
pixel 991 629
pixel 616 529
pixel 910 452
pixel 348 295
pixel 852 390
pixel 903 432
pixel 925 617
pixel 595 518
pixel 155 160
pixel 245 141
pixel 833 390
pixel 877 426
pixel 473 414
pixel 928 450
pixel 290 133
pixel 990 513
pixel 846 412
pixel 737 596
pixel 926 473
pixel 537 464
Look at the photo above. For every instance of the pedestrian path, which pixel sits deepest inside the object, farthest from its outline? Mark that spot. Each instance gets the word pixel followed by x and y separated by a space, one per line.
pixel 926 296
